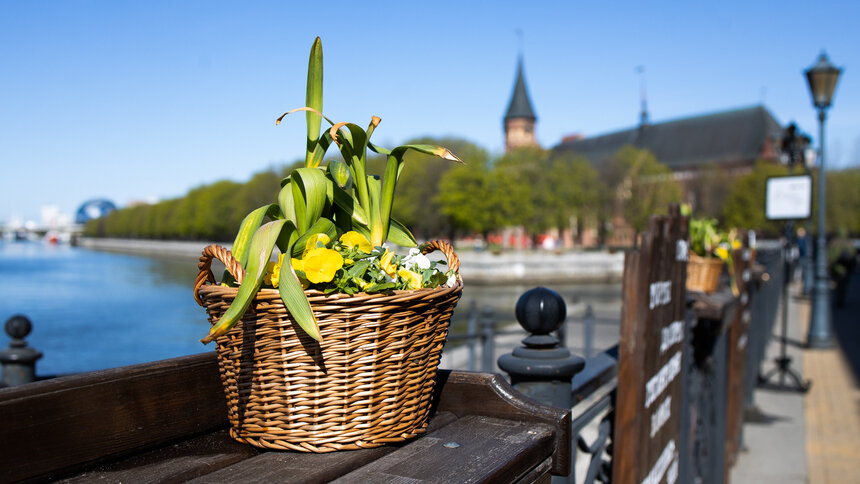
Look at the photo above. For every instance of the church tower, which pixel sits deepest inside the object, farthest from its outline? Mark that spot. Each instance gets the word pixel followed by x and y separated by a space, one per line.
pixel 520 118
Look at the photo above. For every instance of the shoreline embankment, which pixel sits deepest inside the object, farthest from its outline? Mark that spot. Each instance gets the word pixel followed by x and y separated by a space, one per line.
pixel 476 267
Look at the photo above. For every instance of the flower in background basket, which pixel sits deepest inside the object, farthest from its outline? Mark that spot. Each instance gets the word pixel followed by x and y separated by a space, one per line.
pixel 315 205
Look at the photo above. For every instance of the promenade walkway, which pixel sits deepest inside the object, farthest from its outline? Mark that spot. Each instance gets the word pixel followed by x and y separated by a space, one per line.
pixel 812 437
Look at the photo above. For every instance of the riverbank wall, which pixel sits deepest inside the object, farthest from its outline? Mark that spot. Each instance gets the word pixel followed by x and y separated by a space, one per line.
pixel 476 267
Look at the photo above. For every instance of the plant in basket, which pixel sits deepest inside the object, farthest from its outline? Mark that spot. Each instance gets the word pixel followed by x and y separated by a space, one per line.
pixel 333 343
pixel 711 248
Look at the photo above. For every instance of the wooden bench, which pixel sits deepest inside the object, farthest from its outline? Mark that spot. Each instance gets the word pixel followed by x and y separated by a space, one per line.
pixel 166 422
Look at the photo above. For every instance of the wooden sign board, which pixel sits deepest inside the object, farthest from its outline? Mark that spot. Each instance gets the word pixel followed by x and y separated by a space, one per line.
pixel 737 356
pixel 651 355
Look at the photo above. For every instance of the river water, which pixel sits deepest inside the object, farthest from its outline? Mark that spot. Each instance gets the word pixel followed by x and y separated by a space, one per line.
pixel 93 310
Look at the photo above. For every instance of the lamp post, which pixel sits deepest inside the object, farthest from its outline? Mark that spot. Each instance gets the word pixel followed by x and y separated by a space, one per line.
pixel 822 78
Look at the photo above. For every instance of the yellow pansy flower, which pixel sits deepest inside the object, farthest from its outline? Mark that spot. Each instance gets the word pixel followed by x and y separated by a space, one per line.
pixel 386 265
pixel 722 253
pixel 736 244
pixel 413 279
pixel 273 272
pixel 321 264
pixel 354 239
pixel 315 241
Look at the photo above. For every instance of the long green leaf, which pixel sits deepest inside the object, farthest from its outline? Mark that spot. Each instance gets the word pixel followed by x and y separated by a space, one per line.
pixel 314 98
pixel 393 167
pixel 249 226
pixel 309 196
pixel 320 150
pixel 353 147
pixel 286 202
pixel 400 235
pixel 362 229
pixel 259 253
pixel 377 234
pixel 345 201
pixel 297 302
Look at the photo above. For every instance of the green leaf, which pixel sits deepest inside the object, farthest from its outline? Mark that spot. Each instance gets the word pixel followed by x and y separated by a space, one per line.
pixel 309 196
pixel 393 167
pixel 358 269
pixel 260 252
pixel 378 149
pixel 297 302
pixel 321 147
pixel 345 201
pixel 400 235
pixel 249 226
pixel 286 202
pixel 377 235
pixel 353 147
pixel 340 174
pixel 380 287
pixel 314 98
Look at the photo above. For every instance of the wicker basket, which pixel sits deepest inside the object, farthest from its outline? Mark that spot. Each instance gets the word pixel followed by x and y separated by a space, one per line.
pixel 703 273
pixel 369 382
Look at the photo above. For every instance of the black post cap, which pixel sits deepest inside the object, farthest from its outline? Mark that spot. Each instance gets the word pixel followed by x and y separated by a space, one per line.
pixel 18 326
pixel 541 311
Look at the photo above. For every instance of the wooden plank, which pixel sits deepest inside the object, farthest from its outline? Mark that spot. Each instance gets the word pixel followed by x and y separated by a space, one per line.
pixel 173 463
pixel 307 468
pixel 476 449
pixel 651 353
pixel 467 393
pixel 53 427
pixel 74 423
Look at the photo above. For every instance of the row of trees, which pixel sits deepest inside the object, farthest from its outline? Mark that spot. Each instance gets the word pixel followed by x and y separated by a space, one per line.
pixel 530 187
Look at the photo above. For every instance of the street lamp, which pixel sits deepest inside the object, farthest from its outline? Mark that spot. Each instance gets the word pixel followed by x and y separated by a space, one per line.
pixel 822 78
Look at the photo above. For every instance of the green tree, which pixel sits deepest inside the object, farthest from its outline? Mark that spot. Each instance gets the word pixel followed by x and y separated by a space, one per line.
pixel 745 204
pixel 642 186
pixel 843 201
pixel 418 206
pixel 475 198
pixel 575 187
pixel 708 191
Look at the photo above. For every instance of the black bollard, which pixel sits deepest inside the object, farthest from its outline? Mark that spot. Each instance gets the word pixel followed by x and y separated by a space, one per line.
pixel 18 362
pixel 542 368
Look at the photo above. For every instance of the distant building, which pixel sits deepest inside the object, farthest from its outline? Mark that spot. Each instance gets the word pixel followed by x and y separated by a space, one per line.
pixel 730 139
pixel 520 118
pixel 726 144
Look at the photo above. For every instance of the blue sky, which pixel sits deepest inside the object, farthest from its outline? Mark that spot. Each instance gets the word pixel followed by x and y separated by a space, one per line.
pixel 144 100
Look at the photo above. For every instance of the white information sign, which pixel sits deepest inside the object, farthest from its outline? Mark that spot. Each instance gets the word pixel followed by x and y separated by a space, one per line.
pixel 788 197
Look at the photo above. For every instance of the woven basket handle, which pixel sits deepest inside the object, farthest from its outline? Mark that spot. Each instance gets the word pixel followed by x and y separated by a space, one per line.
pixel 445 248
pixel 205 275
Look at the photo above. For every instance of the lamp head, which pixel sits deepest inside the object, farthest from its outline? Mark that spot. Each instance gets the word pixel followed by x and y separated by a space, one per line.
pixel 822 78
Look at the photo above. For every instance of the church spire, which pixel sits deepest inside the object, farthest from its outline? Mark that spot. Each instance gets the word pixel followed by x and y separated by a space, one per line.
pixel 520 118
pixel 643 97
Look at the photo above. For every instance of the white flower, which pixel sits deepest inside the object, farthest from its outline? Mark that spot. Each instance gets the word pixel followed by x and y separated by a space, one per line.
pixel 422 261
pixel 414 251
pixel 416 261
pixel 452 280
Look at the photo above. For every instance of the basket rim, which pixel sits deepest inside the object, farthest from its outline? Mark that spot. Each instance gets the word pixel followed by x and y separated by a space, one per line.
pixel 314 295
